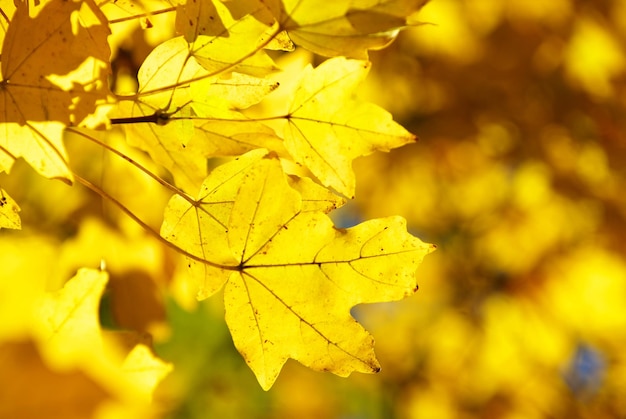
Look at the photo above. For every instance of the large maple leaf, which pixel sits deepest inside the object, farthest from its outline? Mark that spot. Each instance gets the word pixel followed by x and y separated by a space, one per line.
pixel 54 74
pixel 290 277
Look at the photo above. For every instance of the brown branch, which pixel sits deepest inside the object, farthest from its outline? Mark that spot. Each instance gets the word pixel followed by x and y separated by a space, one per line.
pixel 158 179
pixel 146 227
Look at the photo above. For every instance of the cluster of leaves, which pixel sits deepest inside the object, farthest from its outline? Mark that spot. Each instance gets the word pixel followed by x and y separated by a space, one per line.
pixel 201 94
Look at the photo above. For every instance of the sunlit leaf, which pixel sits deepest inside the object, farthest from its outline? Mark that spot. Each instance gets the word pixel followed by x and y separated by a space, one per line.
pixel 145 369
pixel 328 127
pixel 230 35
pixel 181 124
pixel 285 296
pixel 54 74
pixel 68 319
pixel 345 27
pixel 228 133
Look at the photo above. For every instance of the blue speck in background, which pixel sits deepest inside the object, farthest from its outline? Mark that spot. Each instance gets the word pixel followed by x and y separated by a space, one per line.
pixel 585 372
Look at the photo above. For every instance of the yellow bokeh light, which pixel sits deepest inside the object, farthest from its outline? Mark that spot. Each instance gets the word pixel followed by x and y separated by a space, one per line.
pixel 593 58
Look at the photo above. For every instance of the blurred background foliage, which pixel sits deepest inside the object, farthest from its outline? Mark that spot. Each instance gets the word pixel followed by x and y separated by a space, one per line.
pixel 518 177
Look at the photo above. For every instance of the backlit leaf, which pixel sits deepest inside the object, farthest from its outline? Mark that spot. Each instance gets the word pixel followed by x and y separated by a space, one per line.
pixel 290 277
pixel 54 74
pixel 163 93
pixel 231 35
pixel 68 319
pixel 187 123
pixel 344 27
pixel 145 369
pixel 328 127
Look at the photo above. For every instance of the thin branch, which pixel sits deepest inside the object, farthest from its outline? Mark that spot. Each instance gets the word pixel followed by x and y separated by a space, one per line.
pixel 146 227
pixel 139 16
pixel 162 182
pixel 227 68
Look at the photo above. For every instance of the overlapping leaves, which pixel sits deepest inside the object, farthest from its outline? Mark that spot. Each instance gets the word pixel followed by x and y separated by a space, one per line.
pixel 54 68
pixel 244 231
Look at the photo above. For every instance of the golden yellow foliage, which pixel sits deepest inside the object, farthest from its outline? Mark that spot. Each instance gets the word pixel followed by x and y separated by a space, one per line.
pixel 198 95
pixel 346 27
pixel 54 70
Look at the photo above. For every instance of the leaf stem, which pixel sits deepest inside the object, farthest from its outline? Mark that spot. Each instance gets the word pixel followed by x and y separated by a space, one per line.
pixel 162 182
pixel 248 119
pixel 146 227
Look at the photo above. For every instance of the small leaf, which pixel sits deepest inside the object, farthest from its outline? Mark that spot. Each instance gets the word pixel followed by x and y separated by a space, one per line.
pixel 194 18
pixel 249 27
pixel 68 319
pixel 222 131
pixel 145 370
pixel 191 114
pixel 239 91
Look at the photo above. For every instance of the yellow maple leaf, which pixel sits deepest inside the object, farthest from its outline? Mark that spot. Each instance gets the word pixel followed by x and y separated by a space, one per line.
pixel 145 369
pixel 163 93
pixel 220 129
pixel 344 27
pixel 67 320
pixel 290 277
pixel 54 74
pixel 327 128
